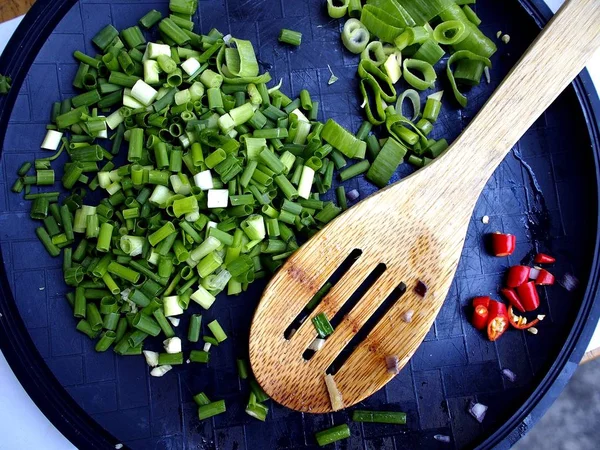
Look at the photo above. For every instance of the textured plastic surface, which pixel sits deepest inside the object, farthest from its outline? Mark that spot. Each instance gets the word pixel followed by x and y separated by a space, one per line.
pixel 544 192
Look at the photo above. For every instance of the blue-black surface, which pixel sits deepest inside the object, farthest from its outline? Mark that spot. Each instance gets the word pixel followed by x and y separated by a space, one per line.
pixel 542 192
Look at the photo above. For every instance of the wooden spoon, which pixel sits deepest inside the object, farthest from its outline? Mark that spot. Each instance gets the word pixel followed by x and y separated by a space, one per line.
pixel 416 228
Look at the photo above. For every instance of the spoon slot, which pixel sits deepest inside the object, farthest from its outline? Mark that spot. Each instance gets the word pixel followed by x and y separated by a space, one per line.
pixel 369 325
pixel 314 302
pixel 351 302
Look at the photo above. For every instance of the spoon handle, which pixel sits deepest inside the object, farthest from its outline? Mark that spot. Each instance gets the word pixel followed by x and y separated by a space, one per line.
pixel 555 58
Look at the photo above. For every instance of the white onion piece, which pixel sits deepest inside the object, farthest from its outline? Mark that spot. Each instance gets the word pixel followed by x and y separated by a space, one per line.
pixel 190 66
pixel 306 182
pixel 301 117
pixel 392 68
pixel 533 273
pixel 407 316
pixel 144 93
pixel 437 96
pixel 52 140
pixel 206 347
pixel 174 321
pixel 317 344
pixel 151 358
pixel 488 76
pixel 204 180
pixel 391 363
pixel 509 375
pixel 160 371
pixel 218 198
pixel 335 396
pixel 154 50
pixel 118 446
pixel 478 410
pixel 172 345
pixel 353 194
pixel 442 438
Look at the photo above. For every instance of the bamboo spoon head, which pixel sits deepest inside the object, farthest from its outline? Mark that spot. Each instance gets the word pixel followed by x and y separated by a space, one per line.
pixel 405 234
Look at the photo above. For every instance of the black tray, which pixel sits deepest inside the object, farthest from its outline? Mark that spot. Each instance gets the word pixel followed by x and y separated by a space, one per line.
pixel 546 192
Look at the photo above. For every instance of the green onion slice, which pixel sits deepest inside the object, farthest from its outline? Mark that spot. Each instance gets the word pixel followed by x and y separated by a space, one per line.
pixel 380 23
pixel 459 56
pixel 241 59
pixel 450 32
pixel 367 69
pixel 371 94
pixel 374 52
pixel 429 75
pixel 337 8
pixel 415 99
pixel 355 36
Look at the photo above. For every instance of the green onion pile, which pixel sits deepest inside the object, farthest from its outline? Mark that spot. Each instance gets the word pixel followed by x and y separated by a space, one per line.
pixel 406 39
pixel 222 173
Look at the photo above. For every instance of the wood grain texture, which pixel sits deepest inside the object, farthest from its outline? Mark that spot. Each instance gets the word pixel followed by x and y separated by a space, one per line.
pixel 9 9
pixel 590 356
pixel 416 227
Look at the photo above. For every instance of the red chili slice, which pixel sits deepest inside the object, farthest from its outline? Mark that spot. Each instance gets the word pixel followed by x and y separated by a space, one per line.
pixel 518 322
pixel 503 244
pixel 497 320
pixel 542 258
pixel 483 301
pixel 528 295
pixel 544 278
pixel 480 317
pixel 517 275
pixel 513 298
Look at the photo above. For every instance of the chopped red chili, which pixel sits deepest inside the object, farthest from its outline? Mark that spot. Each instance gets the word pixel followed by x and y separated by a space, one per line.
pixel 480 317
pixel 497 320
pixel 483 301
pixel 517 275
pixel 520 322
pixel 502 244
pixel 513 298
pixel 528 295
pixel 542 258
pixel 544 278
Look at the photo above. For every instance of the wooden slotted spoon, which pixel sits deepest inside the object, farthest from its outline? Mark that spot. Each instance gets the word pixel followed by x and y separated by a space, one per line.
pixel 416 228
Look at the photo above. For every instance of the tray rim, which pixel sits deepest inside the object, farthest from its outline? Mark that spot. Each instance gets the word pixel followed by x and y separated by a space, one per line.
pixel 84 432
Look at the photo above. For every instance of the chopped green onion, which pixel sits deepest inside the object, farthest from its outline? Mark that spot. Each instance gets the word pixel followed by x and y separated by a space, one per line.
pixel 379 417
pixel 290 37
pixel 322 325
pixel 333 434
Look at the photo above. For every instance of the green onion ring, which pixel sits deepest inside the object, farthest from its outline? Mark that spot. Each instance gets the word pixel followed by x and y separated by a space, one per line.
pixel 374 48
pixel 367 69
pixel 337 12
pixel 355 36
pixel 460 55
pixel 429 75
pixel 376 116
pixel 413 96
pixel 456 28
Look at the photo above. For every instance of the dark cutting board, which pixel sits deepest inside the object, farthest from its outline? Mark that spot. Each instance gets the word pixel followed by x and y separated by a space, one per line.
pixel 545 192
